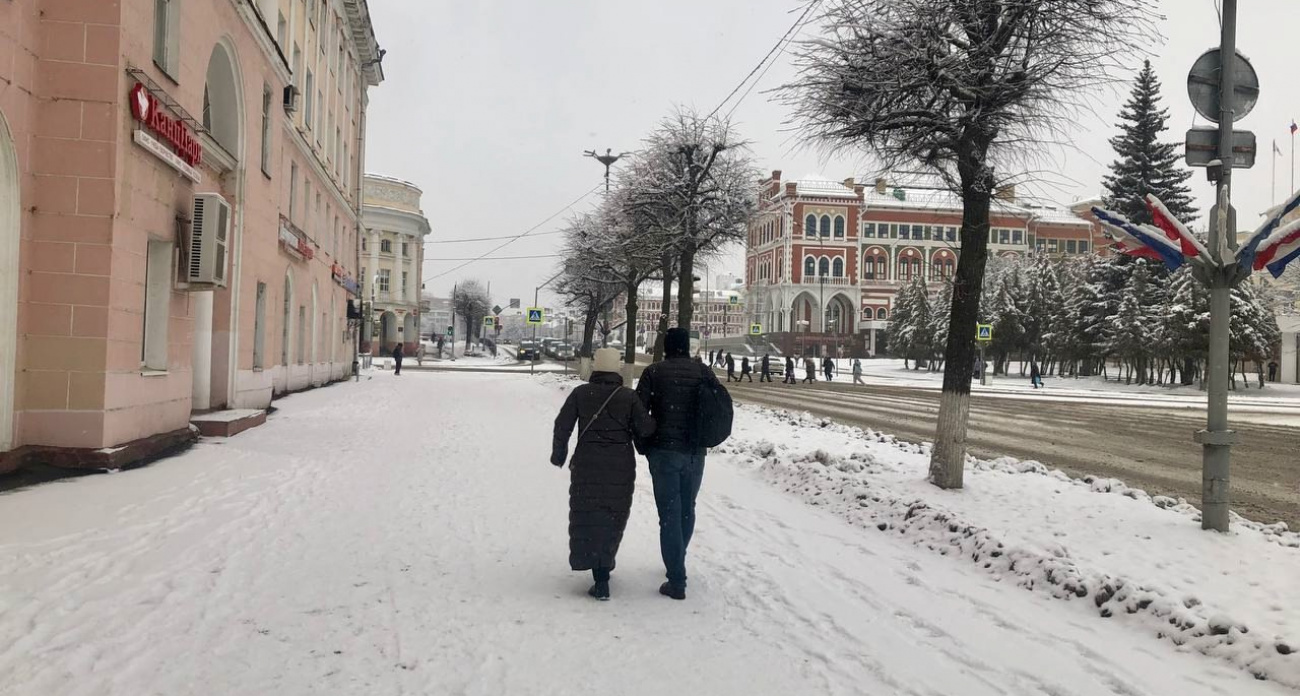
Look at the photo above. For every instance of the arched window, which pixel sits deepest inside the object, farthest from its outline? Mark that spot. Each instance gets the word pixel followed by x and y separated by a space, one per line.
pixel 881 314
pixel 916 268
pixel 780 263
pixel 809 267
pixel 824 266
pixel 839 227
pixel 882 268
pixel 826 225
pixel 837 268
pixel 810 226
pixel 948 268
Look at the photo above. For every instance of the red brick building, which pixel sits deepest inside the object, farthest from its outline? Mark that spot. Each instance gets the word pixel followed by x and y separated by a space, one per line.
pixel 825 260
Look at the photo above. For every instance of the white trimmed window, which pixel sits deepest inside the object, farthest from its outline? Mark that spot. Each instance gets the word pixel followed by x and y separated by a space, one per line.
pixel 384 276
pixel 166 36
pixel 157 305
pixel 309 93
pixel 302 334
pixel 259 328
pixel 266 130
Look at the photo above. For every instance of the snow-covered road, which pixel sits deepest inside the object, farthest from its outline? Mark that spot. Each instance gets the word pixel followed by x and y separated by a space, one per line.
pixel 406 535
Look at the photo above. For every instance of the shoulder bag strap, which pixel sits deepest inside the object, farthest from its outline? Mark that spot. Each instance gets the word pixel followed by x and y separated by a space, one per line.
pixel 598 412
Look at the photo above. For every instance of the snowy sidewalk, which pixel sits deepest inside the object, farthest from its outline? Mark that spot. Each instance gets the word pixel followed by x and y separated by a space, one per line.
pixel 406 535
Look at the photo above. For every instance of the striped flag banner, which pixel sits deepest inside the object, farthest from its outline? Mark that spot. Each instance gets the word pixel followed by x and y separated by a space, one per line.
pixel 1136 238
pixel 1281 248
pixel 1246 252
pixel 1175 230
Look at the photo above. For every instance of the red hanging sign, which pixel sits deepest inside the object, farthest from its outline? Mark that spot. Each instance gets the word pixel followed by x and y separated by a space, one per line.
pixel 147 110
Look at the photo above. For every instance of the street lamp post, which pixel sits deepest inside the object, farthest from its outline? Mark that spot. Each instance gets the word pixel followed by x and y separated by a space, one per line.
pixel 606 159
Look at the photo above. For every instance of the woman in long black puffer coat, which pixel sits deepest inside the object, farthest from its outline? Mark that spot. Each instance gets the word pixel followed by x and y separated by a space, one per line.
pixel 603 469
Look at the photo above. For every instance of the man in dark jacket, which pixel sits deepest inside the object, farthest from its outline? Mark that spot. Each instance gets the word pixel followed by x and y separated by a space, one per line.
pixel 765 369
pixel 745 370
pixel 670 391
pixel 789 371
pixel 397 359
pixel 712 355
pixel 828 367
pixel 731 368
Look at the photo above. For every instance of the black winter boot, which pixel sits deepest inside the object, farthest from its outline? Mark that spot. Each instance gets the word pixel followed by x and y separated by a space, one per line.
pixel 670 590
pixel 600 590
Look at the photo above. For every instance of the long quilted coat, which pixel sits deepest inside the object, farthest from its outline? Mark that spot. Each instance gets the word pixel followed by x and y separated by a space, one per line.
pixel 603 470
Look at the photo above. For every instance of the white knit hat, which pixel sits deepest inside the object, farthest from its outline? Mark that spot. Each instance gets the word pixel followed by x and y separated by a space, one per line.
pixel 608 360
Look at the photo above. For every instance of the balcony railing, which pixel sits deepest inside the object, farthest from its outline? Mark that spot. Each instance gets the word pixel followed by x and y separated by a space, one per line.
pixel 829 280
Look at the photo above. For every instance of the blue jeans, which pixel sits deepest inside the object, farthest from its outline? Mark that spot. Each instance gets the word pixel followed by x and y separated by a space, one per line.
pixel 677 477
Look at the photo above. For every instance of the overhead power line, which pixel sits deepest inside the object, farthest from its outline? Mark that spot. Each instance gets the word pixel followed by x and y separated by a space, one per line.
pixel 789 33
pixel 487 239
pixel 498 258
pixel 516 238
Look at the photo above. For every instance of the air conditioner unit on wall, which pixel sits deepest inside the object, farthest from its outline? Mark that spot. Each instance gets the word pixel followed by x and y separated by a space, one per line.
pixel 290 99
pixel 209 243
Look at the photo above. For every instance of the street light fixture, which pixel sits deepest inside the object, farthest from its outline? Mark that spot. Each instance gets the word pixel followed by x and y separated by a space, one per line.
pixel 606 159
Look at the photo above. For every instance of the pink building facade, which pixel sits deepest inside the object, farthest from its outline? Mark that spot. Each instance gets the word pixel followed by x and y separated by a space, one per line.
pixel 179 197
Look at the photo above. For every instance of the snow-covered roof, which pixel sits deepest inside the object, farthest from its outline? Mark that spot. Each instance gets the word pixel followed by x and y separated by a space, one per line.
pixel 1057 216
pixel 932 199
pixel 816 185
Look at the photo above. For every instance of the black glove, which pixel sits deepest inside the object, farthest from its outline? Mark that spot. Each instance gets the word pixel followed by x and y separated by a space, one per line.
pixel 559 464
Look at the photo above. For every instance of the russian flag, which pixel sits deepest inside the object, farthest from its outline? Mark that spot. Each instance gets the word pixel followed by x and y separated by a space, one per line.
pixel 1174 229
pixel 1152 239
pixel 1280 249
pixel 1246 252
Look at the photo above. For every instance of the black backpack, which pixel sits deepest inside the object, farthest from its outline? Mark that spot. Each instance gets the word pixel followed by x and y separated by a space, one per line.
pixel 713 424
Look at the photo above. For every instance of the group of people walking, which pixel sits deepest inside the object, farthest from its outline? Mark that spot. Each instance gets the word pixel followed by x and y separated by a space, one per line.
pixel 828 367
pixel 661 419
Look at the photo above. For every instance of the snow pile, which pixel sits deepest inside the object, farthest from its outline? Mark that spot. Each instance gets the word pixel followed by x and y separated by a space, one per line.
pixel 1126 554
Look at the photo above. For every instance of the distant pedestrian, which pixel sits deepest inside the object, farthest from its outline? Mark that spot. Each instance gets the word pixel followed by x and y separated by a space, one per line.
pixel 828 367
pixel 789 371
pixel 440 344
pixel 602 473
pixel 721 359
pixel 397 359
pixel 1272 371
pixel 745 370
pixel 712 356
pixel 1035 374
pixel 731 368
pixel 857 372
pixel 810 370
pixel 765 368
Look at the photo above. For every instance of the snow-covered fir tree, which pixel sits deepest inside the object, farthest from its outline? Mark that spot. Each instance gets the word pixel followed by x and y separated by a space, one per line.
pixel 1144 164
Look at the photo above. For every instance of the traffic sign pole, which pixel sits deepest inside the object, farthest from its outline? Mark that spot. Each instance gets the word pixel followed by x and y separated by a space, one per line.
pixel 1216 439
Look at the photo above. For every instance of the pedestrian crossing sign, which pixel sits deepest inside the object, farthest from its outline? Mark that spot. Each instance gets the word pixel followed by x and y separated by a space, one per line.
pixel 733 300
pixel 534 315
pixel 755 329
pixel 984 332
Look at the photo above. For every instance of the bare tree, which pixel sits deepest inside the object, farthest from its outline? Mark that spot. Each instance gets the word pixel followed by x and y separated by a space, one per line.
pixel 696 179
pixel 631 251
pixel 584 284
pixel 958 86
pixel 470 301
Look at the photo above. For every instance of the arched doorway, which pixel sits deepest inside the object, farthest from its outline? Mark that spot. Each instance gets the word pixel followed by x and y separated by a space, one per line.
pixel 387 332
pixel 214 331
pixel 840 315
pixel 409 335
pixel 9 235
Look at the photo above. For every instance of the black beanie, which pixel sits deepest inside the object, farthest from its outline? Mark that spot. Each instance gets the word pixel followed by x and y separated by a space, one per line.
pixel 677 343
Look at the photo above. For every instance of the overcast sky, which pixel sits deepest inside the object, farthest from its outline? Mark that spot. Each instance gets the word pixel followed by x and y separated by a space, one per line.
pixel 488 106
